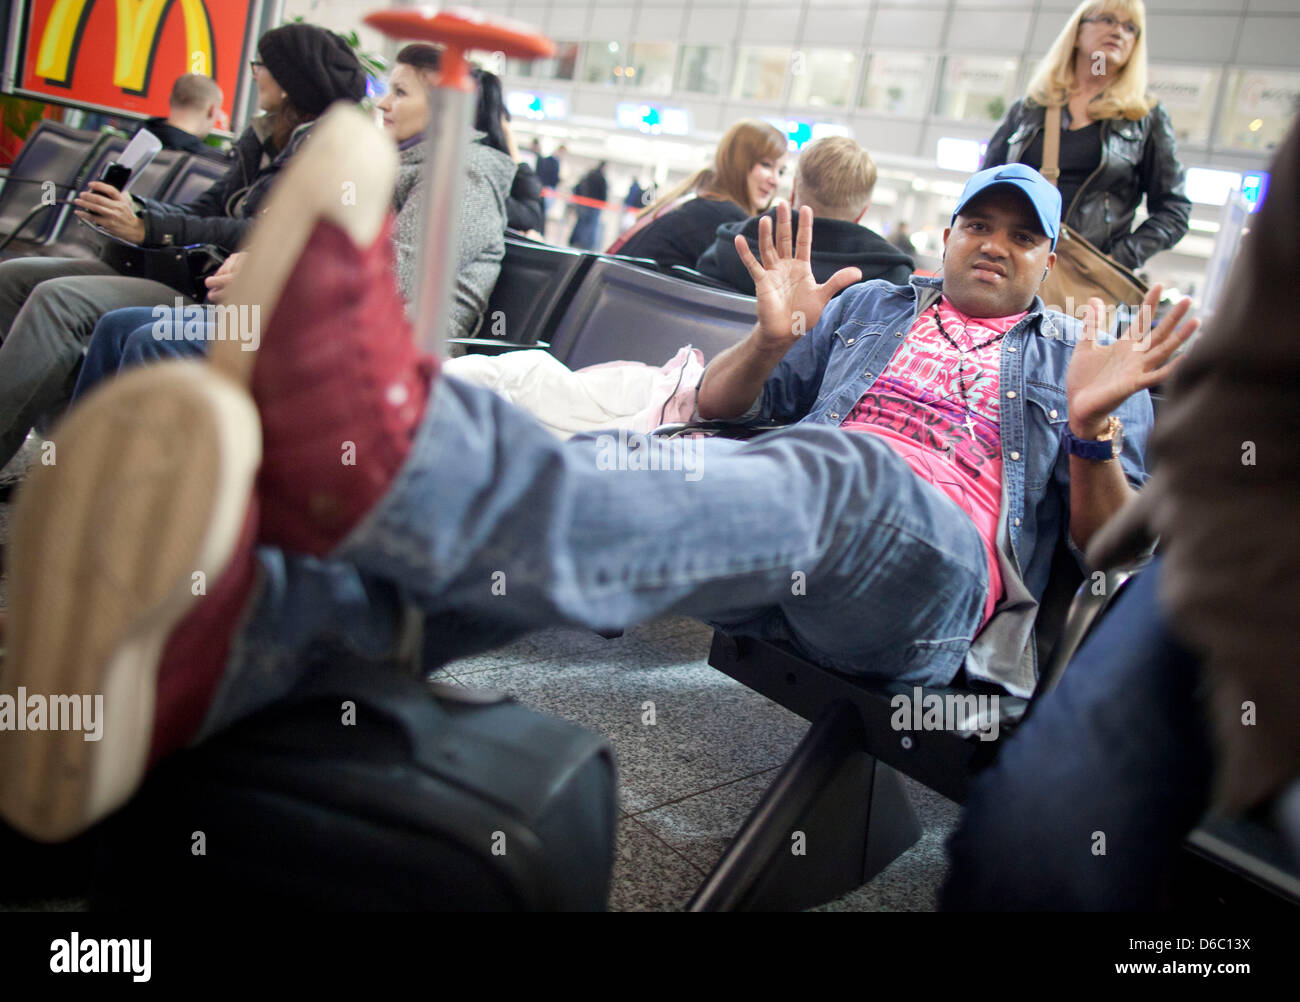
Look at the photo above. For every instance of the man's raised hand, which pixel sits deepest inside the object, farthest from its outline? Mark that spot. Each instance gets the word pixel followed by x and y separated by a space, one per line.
pixel 1103 376
pixel 790 300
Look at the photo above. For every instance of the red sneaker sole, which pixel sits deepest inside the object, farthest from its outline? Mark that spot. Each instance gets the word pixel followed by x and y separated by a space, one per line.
pixel 144 501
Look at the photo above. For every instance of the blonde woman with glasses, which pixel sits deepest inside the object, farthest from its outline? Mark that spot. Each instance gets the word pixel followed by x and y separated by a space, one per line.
pixel 1116 143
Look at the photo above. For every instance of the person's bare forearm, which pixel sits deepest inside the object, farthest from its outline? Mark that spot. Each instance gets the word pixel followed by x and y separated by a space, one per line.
pixel 1097 490
pixel 735 378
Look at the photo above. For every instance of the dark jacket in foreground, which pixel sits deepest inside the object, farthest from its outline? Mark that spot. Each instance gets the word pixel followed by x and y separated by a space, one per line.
pixel 1224 498
pixel 524 204
pixel 1137 158
pixel 836 244
pixel 223 213
pixel 682 235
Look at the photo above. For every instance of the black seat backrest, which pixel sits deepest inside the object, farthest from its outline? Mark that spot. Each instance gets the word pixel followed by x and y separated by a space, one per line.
pixel 698 278
pixel 103 154
pixel 625 313
pixel 196 176
pixel 159 172
pixel 532 291
pixel 53 152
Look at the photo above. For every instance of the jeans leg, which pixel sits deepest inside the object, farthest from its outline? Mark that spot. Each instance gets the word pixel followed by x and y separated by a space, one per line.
pixel 305 610
pixel 828 534
pixel 107 345
pixel 43 349
pixel 143 347
pixel 1088 801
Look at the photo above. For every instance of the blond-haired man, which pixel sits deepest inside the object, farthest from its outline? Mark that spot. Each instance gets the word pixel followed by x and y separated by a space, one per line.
pixel 195 111
pixel 834 177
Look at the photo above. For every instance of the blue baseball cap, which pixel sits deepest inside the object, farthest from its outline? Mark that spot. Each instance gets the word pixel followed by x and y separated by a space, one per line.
pixel 1042 194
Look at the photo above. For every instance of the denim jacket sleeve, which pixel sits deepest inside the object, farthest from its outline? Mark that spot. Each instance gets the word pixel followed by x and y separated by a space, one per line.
pixel 791 390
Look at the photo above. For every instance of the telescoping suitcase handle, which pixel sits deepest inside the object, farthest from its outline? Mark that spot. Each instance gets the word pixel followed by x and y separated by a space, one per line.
pixel 451 110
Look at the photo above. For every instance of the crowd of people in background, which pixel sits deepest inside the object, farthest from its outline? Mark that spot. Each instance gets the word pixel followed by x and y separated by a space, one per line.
pixel 1116 151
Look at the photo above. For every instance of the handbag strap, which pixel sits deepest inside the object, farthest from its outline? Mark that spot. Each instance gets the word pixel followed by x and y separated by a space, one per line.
pixel 1052 145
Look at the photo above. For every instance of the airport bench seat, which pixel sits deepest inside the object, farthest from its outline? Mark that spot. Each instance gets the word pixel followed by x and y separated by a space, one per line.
pixel 589 308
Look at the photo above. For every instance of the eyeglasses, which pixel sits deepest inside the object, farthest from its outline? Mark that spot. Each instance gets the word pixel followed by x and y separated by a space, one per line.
pixel 1111 21
pixel 255 65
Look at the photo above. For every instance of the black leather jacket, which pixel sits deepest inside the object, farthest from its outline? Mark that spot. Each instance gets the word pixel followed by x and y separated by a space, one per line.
pixel 1137 158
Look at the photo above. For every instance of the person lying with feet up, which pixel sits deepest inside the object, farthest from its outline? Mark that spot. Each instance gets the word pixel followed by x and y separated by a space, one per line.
pixel 918 494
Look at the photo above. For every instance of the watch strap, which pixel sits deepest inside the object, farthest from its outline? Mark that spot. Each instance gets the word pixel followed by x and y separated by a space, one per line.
pixel 1097 450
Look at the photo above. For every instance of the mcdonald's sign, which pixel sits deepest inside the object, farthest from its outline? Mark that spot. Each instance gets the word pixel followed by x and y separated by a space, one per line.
pixel 124 55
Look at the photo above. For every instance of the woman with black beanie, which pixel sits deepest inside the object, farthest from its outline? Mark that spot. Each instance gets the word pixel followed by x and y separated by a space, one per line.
pixel 300 70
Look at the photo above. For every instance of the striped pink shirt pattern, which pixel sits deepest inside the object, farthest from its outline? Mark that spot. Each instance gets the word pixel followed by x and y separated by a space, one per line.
pixel 916 407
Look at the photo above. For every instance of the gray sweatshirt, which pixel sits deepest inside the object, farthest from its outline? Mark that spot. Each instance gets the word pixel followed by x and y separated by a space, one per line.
pixel 489 175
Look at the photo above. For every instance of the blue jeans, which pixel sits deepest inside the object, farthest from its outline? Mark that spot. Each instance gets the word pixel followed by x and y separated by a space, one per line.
pixel 586 230
pixel 126 338
pixel 1119 751
pixel 819 537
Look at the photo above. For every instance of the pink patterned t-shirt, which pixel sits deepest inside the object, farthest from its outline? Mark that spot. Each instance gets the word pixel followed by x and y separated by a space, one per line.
pixel 916 407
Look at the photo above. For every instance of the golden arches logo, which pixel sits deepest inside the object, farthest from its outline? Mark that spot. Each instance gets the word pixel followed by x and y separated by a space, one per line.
pixel 139 23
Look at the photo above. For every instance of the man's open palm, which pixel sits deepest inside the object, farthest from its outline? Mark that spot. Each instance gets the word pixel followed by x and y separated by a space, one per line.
pixel 1103 376
pixel 790 301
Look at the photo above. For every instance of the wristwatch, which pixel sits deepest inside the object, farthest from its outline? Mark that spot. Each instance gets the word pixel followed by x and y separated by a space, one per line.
pixel 1108 446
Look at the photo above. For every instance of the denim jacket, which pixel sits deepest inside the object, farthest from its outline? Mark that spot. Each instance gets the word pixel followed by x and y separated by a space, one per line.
pixel 826 372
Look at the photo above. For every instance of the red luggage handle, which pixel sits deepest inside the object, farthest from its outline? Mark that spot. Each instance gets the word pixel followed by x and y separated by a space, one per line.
pixel 459 29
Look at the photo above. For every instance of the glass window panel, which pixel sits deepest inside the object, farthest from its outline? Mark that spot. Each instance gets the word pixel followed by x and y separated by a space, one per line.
pixel 519 68
pixel 897 83
pixel 561 66
pixel 1258 108
pixel 822 78
pixel 1187 93
pixel 976 87
pixel 650 66
pixel 701 69
pixel 760 73
pixel 602 62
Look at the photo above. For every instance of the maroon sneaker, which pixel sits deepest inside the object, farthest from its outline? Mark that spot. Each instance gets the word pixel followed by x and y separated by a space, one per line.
pixel 131 565
pixel 337 379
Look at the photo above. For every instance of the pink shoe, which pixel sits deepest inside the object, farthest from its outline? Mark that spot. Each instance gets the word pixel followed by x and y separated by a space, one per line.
pixel 130 566
pixel 337 380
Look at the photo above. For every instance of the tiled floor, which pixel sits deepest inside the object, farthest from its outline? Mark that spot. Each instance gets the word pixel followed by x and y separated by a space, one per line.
pixel 687 780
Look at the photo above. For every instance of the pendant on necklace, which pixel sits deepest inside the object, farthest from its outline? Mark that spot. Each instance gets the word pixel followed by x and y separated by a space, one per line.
pixel 970 425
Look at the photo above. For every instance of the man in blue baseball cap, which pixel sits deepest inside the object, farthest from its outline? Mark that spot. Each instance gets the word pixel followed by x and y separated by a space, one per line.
pixel 1001 275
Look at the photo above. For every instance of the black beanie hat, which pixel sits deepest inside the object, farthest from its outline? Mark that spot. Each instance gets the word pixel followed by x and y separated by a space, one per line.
pixel 314 66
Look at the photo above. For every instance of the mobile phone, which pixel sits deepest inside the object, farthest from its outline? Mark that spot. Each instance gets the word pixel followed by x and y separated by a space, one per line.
pixel 116 175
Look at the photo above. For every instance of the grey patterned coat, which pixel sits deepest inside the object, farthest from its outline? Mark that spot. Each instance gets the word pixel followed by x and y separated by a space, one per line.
pixel 489 175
